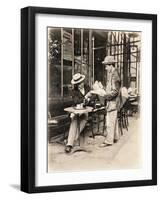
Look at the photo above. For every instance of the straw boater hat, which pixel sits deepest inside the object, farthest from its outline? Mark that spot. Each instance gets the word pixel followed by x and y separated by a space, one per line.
pixel 77 78
pixel 109 60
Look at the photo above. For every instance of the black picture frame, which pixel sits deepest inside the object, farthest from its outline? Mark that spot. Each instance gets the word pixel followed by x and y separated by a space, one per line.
pixel 28 98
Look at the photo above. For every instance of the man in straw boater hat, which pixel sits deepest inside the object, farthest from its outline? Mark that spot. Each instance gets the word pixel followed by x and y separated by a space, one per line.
pixel 79 93
pixel 111 97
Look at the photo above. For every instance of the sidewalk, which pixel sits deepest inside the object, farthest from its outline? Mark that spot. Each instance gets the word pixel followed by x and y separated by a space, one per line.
pixel 124 154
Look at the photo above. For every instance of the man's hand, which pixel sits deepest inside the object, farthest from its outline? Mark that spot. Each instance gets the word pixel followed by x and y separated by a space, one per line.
pixel 72 115
pixel 88 95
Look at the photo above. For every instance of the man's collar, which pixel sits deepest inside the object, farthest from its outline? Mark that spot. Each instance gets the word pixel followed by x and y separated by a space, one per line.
pixel 111 70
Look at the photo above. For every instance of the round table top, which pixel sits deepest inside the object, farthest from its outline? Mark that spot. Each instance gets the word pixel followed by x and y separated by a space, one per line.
pixel 74 110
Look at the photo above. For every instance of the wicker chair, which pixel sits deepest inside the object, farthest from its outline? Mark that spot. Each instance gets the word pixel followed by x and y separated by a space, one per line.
pixel 122 116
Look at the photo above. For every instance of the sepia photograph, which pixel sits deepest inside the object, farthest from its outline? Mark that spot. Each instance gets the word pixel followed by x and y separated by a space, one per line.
pixel 94 93
pixel 89 99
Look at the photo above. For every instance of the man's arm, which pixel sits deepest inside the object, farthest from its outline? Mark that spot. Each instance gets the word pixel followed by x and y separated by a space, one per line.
pixel 114 91
pixel 111 95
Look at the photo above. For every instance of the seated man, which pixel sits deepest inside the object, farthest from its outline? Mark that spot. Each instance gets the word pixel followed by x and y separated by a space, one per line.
pixel 79 94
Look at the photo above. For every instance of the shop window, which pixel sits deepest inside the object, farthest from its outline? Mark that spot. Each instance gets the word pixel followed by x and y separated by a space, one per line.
pixel 68 54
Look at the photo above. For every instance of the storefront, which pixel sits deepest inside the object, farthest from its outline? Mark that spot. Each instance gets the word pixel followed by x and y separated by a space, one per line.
pixel 83 50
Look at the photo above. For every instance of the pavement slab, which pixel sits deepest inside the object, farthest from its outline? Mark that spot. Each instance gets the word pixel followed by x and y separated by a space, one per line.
pixel 125 154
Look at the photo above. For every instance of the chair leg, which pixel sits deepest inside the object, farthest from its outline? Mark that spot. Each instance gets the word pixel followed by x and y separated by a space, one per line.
pixel 104 123
pixel 127 119
pixel 93 136
pixel 126 122
pixel 120 126
pixel 98 121
pixel 122 121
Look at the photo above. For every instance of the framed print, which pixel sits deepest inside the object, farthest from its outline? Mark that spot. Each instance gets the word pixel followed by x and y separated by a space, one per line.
pixel 88 99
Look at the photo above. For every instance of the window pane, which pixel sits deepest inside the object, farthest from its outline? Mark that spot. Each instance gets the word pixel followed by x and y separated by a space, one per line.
pixel 67 61
pixel 54 62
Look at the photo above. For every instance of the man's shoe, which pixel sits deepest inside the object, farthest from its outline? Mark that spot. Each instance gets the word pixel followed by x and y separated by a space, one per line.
pixel 105 145
pixel 68 149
